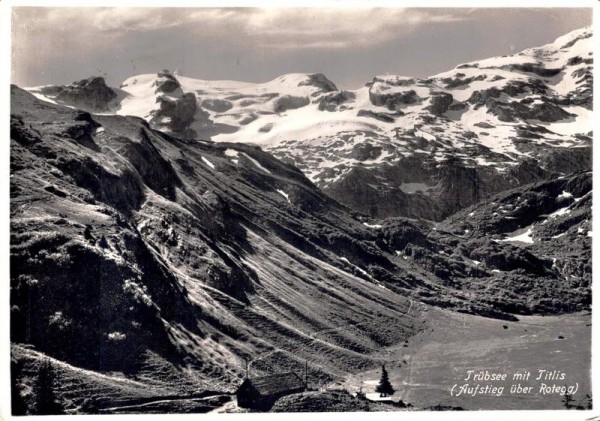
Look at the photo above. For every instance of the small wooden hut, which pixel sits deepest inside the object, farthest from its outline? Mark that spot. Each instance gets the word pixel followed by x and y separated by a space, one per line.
pixel 260 393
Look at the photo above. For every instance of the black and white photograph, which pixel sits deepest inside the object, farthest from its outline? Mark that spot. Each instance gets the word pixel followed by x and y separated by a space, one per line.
pixel 325 209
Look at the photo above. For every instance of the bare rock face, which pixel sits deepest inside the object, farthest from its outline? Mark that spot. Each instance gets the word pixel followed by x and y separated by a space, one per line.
pixel 479 98
pixel 515 111
pixel 385 117
pixel 393 101
pixel 428 190
pixel 460 80
pixel 179 110
pixel 90 94
pixel 531 86
pixel 583 95
pixel 166 82
pixel 320 81
pixel 334 101
pixel 364 151
pixel 176 115
pixel 532 68
pixel 440 101
pixel 289 102
pixel 567 160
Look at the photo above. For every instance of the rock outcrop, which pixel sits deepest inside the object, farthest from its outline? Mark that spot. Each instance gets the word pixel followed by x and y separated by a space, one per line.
pixel 289 102
pixel 393 101
pixel 320 81
pixel 90 94
pixel 334 101
pixel 177 115
pixel 166 82
pixel 439 103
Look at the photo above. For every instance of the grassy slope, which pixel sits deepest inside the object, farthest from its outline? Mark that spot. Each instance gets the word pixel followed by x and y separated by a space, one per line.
pixel 434 360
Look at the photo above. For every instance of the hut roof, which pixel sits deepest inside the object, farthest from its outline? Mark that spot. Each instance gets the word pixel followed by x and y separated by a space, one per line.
pixel 276 383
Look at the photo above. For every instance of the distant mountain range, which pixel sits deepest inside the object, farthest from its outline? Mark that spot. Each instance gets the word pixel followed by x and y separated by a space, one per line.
pixel 399 146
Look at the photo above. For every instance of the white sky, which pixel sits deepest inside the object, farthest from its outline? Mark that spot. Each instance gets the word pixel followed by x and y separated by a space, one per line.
pixel 350 46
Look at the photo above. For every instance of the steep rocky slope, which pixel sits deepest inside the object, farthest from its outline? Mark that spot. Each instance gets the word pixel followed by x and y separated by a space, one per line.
pixel 535 241
pixel 172 261
pixel 141 257
pixel 399 146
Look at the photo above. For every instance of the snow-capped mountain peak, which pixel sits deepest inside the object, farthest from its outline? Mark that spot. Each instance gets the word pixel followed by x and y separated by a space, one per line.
pixel 504 121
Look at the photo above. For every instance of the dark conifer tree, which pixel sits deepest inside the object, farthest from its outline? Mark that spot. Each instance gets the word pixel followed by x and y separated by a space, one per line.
pixel 19 407
pixel 45 400
pixel 384 388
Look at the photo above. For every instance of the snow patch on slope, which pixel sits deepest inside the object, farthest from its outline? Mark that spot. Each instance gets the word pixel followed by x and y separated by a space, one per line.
pixel 524 237
pixel 207 162
pixel 256 163
pixel 284 194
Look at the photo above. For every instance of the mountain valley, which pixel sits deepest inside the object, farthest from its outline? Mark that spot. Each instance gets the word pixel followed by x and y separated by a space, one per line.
pixel 172 235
